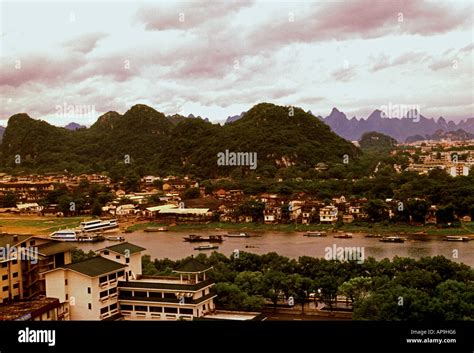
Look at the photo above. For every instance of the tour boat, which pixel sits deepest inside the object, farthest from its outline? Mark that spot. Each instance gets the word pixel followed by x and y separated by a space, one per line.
pixel 206 247
pixel 197 238
pixel 343 236
pixel 238 235
pixel 315 234
pixel 75 235
pixel 98 224
pixel 65 235
pixel 392 239
pixel 456 238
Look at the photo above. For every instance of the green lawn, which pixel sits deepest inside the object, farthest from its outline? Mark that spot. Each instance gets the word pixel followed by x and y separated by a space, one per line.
pixel 46 225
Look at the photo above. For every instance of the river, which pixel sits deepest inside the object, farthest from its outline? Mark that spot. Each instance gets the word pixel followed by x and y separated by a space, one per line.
pixel 293 245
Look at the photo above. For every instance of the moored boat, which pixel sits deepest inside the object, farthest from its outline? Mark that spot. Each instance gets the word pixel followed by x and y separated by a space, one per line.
pixel 392 239
pixel 238 235
pixel 343 236
pixel 456 238
pixel 98 225
pixel 206 247
pixel 198 238
pixel 315 234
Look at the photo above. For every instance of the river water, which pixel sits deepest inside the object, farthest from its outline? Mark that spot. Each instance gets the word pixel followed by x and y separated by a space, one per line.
pixel 293 245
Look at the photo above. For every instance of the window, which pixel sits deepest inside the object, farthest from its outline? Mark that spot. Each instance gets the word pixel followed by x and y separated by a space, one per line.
pixel 106 252
pixel 155 295
pixel 103 294
pixel 16 285
pixel 120 273
pixel 113 307
pixel 4 264
pixel 117 257
pixel 5 289
pixel 67 296
pixel 171 310
pixel 65 282
pixel 104 310
pixel 140 294
pixel 89 306
pixel 141 308
pixel 127 260
pixel 113 290
pixel 4 277
pixel 126 307
pixel 103 279
pixel 170 295
pixel 88 290
pixel 156 309
pixel 32 243
pixel 15 274
pixel 14 262
pixel 112 277
pixel 186 311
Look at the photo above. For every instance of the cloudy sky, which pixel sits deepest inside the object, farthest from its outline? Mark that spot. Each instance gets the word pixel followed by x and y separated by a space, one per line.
pixel 73 61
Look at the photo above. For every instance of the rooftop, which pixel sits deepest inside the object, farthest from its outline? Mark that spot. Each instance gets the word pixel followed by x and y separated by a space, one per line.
pixel 9 239
pixel 123 248
pixel 192 266
pixel 25 310
pixel 95 266
pixel 54 247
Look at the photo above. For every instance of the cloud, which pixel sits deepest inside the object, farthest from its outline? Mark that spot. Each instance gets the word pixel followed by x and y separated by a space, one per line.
pixel 344 75
pixel 383 61
pixel 85 43
pixel 186 14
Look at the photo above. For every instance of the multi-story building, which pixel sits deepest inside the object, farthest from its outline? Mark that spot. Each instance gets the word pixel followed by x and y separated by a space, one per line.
pixel 23 259
pixel 90 287
pixel 328 214
pixel 168 298
pixel 110 286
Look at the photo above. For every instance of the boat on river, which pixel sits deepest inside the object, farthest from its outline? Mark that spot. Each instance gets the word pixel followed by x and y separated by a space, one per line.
pixel 238 235
pixel 392 239
pixel 156 229
pixel 199 238
pixel 456 238
pixel 206 247
pixel 343 236
pixel 315 234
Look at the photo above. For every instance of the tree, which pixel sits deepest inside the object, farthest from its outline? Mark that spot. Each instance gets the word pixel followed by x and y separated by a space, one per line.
pixel 96 208
pixel 191 193
pixel 357 288
pixel 377 210
pixel 9 199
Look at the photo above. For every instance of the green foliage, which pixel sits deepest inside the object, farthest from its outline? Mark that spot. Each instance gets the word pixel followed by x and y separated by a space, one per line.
pixel 143 141
pixel 431 288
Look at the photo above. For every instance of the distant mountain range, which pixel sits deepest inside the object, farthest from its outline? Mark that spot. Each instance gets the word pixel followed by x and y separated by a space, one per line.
pixel 400 129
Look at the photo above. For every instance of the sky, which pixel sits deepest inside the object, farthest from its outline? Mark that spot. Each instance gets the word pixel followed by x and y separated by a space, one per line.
pixel 73 61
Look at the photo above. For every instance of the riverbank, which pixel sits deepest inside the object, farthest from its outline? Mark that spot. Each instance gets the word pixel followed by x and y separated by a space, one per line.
pixel 38 225
pixel 376 228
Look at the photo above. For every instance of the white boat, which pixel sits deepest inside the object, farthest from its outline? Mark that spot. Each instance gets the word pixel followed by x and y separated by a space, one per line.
pixel 206 247
pixel 238 235
pixel 65 235
pixel 98 224
pixel 456 238
pixel 75 235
